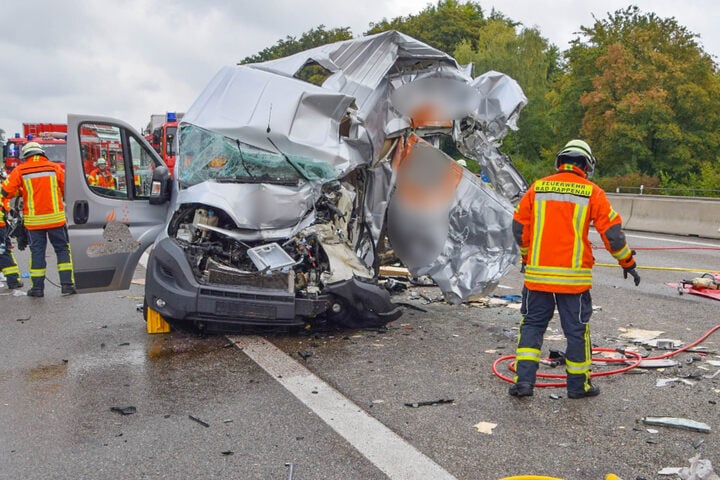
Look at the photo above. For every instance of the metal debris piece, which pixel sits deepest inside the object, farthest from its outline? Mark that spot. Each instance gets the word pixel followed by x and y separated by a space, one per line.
pixel 305 354
pixel 129 410
pixel 430 403
pixel 195 419
pixel 228 452
pixel 674 422
pixel 662 363
pixel 290 471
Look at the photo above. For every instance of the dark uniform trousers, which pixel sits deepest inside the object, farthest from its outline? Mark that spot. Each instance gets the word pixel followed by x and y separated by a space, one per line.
pixel 8 266
pixel 537 309
pixel 38 244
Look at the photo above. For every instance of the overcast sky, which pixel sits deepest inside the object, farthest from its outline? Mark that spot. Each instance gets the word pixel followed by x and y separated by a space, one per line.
pixel 131 58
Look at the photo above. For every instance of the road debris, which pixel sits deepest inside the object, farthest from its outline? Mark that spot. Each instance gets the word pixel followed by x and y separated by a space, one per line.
pixel 129 410
pixel 305 354
pixel 290 470
pixel 699 470
pixel 674 422
pixel 663 382
pixel 430 403
pixel 658 363
pixel 195 419
pixel 485 427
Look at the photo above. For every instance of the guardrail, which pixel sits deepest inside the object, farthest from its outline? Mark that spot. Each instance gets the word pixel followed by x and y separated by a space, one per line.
pixel 692 216
pixel 685 192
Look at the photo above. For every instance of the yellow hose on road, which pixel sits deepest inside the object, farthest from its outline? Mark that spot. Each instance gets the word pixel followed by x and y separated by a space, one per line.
pixel 672 269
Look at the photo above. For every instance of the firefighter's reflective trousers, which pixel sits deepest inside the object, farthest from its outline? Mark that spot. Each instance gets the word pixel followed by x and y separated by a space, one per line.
pixel 8 266
pixel 38 244
pixel 537 309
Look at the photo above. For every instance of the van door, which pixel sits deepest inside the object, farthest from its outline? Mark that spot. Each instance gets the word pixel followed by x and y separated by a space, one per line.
pixel 108 183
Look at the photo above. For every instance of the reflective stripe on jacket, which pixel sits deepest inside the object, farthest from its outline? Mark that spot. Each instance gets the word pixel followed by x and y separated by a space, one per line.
pixel 551 225
pixel 41 184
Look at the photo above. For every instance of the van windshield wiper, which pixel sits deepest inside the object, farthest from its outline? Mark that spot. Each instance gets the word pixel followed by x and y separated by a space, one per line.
pixel 242 159
pixel 287 159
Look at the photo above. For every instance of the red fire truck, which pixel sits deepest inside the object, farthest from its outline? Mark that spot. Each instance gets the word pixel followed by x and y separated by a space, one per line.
pixel 161 132
pixel 52 137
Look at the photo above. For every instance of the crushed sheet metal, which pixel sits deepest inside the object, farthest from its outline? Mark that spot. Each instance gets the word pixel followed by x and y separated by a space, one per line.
pixel 266 106
pixel 674 422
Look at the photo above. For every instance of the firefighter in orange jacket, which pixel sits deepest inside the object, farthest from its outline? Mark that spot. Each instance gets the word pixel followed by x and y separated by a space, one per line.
pixel 102 176
pixel 8 265
pixel 41 184
pixel 551 225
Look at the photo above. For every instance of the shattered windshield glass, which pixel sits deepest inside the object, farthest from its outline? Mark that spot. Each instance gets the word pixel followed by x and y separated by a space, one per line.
pixel 206 155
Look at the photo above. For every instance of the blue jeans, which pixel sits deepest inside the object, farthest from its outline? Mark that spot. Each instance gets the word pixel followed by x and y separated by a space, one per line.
pixel 38 244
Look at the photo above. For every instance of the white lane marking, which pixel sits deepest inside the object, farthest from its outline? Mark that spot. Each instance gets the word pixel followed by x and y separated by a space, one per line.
pixel 671 240
pixel 384 448
pixel 687 242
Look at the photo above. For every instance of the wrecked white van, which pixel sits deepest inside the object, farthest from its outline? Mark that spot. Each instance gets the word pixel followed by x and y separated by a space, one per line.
pixel 285 192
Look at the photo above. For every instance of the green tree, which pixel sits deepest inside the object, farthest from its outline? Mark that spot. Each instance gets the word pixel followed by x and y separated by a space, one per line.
pixel 643 93
pixel 290 45
pixel 526 56
pixel 443 26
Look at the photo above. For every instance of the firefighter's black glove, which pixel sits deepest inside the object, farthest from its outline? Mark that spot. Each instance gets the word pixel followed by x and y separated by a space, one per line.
pixel 631 271
pixel 522 268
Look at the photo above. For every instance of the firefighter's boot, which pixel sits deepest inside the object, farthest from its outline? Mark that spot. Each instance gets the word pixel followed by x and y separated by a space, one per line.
pixel 38 287
pixel 521 389
pixel 67 289
pixel 13 282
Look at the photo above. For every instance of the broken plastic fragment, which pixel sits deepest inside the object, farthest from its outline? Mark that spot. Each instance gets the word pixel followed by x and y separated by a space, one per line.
pixel 485 427
pixel 662 382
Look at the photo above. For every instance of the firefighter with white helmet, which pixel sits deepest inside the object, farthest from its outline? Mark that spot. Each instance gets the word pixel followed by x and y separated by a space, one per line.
pixel 102 175
pixel 551 225
pixel 41 183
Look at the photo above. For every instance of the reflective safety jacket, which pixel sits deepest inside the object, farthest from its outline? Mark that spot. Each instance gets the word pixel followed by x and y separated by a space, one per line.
pixel 103 179
pixel 41 184
pixel 551 225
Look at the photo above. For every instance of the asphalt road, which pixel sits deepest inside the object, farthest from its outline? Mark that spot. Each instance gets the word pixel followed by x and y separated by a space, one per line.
pixel 68 361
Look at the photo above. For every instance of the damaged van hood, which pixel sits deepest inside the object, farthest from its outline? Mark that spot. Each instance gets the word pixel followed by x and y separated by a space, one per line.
pixel 263 146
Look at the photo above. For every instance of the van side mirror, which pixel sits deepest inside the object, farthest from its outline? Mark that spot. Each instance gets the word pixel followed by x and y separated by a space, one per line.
pixel 160 185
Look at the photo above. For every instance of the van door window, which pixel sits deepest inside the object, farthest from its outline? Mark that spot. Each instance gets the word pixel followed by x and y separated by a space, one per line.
pixel 102 162
pixel 143 165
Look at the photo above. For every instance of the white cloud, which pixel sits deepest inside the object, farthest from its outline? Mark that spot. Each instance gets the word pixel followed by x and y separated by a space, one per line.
pixel 132 58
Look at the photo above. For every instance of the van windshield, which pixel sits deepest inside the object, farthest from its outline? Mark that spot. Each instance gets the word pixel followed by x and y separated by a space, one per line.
pixel 206 155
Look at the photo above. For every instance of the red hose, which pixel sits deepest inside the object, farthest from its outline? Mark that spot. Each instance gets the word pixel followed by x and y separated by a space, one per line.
pixel 637 359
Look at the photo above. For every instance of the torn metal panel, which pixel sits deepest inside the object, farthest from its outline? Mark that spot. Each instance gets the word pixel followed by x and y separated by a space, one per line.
pixel 444 222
